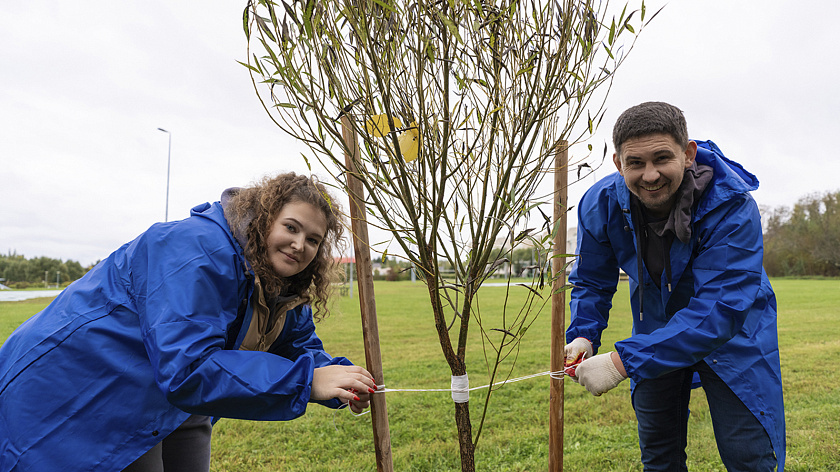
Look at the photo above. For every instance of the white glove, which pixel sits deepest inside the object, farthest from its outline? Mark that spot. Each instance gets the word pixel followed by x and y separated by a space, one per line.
pixel 598 374
pixel 576 351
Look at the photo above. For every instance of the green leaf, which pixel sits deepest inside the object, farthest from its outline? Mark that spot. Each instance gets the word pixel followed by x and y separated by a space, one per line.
pixel 245 24
pixel 643 11
pixel 481 82
pixel 461 84
pixel 285 105
pixel 385 5
pixel 429 50
pixel 290 12
pixel 270 6
pixel 270 51
pixel 257 65
pixel 250 67
pixel 307 17
pixel 531 289
pixel 524 71
pixel 264 27
pixel 562 289
pixel 612 35
pixel 478 7
pixel 449 25
pixel 609 51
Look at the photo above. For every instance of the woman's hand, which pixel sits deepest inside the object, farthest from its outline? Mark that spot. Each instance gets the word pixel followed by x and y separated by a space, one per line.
pixel 360 405
pixel 349 383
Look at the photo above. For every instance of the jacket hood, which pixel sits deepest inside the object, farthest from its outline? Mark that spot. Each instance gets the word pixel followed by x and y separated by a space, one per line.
pixel 730 177
pixel 215 213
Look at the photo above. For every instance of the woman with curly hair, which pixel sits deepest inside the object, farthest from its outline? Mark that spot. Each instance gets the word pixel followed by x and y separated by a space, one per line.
pixel 210 316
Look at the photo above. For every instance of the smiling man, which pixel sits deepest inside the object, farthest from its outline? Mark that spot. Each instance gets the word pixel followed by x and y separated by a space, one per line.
pixel 678 218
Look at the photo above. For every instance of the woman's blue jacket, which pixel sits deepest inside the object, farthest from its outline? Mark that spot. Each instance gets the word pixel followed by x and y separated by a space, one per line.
pixel 148 337
pixel 722 308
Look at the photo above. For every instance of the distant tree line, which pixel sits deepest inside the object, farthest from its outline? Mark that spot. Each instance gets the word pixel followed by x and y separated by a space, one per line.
pixel 804 240
pixel 20 272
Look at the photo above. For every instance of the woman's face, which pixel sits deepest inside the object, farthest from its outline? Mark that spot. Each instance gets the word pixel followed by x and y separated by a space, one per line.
pixel 295 237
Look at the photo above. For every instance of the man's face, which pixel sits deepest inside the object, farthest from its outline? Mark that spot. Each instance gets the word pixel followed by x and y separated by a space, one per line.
pixel 653 168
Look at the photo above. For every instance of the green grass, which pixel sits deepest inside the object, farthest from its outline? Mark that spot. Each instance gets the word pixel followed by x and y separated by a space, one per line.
pixel 600 433
pixel 12 314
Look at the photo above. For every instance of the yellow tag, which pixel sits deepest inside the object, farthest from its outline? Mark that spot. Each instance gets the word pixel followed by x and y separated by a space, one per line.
pixel 410 143
pixel 377 125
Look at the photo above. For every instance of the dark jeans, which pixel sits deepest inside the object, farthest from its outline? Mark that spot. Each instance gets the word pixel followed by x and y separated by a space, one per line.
pixel 187 449
pixel 662 412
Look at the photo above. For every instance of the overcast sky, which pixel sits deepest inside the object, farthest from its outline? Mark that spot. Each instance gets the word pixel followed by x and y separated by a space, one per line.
pixel 85 85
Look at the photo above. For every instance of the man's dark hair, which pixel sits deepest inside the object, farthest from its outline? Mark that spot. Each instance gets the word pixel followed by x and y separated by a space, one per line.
pixel 650 118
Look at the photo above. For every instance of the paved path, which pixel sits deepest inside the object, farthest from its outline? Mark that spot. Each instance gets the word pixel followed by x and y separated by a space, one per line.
pixel 18 295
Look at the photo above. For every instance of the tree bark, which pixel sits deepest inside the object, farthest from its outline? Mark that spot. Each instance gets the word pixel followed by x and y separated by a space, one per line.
pixel 458 367
pixel 467 448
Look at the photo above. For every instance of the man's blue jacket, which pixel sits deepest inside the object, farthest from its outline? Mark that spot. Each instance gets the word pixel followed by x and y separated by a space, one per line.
pixel 149 336
pixel 722 308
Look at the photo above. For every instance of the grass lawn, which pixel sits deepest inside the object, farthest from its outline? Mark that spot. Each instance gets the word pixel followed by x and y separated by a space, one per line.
pixel 600 433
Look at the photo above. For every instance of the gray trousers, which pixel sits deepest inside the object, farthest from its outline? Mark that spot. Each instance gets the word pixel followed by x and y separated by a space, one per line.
pixel 187 449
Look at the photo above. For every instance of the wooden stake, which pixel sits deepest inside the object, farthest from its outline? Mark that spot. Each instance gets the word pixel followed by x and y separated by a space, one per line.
pixel 558 309
pixel 367 303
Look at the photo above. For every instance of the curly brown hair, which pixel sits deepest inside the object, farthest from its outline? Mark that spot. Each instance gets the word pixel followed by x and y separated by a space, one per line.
pixel 253 210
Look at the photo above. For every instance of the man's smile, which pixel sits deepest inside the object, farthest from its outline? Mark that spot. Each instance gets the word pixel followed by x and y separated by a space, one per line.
pixel 654 188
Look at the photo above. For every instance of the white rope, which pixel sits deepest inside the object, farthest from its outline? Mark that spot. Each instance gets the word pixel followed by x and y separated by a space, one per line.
pixel 554 375
pixel 458 387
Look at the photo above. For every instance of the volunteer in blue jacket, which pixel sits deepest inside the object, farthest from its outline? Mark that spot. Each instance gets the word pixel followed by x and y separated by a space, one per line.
pixel 206 317
pixel 679 220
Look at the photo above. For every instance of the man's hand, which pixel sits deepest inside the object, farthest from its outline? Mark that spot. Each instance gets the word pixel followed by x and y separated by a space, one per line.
pixel 601 373
pixel 576 351
pixel 349 383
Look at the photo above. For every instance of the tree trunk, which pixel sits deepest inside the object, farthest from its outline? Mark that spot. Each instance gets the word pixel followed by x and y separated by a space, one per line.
pixel 457 366
pixel 467 448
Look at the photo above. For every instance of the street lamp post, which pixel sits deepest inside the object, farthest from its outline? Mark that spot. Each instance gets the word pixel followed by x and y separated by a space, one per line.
pixel 168 160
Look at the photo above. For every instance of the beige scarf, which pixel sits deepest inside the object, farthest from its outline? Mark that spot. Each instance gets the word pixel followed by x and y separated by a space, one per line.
pixel 266 325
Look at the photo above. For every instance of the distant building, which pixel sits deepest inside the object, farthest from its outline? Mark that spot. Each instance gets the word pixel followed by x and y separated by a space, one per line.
pixel 347 263
pixel 528 243
pixel 571 241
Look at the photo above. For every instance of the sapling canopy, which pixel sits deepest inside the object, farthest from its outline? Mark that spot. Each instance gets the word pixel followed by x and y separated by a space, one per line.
pixel 459 107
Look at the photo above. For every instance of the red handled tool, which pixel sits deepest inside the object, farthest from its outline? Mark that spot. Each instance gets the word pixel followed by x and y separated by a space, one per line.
pixel 571 367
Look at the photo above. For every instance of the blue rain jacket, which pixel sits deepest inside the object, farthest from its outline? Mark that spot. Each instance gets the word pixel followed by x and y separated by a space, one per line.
pixel 149 336
pixel 722 308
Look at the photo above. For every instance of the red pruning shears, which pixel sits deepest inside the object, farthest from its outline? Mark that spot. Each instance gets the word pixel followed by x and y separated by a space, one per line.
pixel 571 367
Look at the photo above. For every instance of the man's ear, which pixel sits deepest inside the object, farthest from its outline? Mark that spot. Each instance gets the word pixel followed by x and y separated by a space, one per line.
pixel 690 153
pixel 617 162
